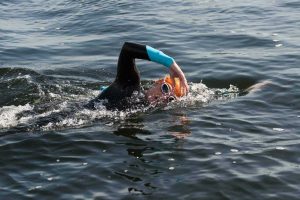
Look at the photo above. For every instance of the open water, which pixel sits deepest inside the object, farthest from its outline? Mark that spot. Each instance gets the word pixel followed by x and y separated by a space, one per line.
pixel 217 143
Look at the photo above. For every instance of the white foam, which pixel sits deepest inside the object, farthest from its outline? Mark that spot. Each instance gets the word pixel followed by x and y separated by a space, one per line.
pixel 280 148
pixel 45 114
pixel 26 76
pixel 199 93
pixel 85 116
pixel 54 95
pixel 20 76
pixel 8 115
pixel 278 129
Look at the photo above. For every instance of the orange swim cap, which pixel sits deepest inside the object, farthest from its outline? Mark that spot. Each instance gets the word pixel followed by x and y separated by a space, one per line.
pixel 178 89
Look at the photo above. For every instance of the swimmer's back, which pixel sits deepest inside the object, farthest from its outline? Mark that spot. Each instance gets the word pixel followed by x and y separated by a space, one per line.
pixel 116 96
pixel 127 80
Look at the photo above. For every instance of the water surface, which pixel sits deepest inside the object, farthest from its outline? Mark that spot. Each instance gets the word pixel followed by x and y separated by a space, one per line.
pixel 214 144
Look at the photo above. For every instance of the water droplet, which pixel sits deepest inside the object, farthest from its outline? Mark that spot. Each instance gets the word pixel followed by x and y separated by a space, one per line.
pixel 278 129
pixel 109 124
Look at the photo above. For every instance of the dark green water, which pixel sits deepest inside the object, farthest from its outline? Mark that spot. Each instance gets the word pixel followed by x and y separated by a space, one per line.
pixel 213 144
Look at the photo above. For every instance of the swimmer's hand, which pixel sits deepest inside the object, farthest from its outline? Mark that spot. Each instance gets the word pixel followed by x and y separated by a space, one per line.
pixel 175 71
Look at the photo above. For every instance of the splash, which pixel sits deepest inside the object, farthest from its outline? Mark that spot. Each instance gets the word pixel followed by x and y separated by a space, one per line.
pixel 69 112
pixel 201 95
pixel 58 103
pixel 9 115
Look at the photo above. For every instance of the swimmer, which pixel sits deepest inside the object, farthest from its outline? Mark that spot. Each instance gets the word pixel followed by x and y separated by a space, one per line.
pixel 127 81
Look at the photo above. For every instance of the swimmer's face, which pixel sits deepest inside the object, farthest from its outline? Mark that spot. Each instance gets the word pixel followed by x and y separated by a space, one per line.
pixel 160 93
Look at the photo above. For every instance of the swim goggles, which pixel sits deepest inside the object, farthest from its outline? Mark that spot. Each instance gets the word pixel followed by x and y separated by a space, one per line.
pixel 166 89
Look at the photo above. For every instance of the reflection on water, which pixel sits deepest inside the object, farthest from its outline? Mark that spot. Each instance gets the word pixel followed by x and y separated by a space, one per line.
pixel 181 129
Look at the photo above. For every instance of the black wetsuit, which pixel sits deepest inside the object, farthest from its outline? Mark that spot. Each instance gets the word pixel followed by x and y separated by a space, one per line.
pixel 118 94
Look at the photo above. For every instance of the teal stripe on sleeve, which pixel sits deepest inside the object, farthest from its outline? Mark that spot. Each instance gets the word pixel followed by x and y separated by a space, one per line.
pixel 102 88
pixel 159 57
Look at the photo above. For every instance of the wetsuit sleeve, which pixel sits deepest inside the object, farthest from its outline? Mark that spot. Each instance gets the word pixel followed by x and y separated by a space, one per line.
pixel 159 57
pixel 127 73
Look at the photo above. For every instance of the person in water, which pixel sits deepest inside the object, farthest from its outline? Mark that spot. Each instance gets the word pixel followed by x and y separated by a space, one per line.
pixel 127 82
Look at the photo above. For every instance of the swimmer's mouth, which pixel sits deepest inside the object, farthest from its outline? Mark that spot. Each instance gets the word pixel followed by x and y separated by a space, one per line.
pixel 159 100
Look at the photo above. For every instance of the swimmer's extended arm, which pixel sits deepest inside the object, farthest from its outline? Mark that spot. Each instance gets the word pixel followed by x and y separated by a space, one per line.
pixel 175 71
pixel 127 72
pixel 159 57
